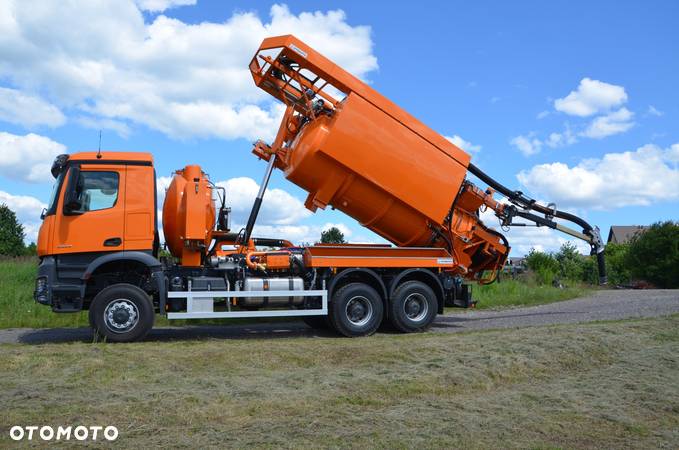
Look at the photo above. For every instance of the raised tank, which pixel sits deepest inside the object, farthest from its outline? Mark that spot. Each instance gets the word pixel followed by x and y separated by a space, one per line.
pixel 354 149
pixel 373 168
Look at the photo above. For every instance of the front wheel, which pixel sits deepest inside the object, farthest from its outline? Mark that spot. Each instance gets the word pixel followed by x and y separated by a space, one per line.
pixel 356 310
pixel 413 307
pixel 121 313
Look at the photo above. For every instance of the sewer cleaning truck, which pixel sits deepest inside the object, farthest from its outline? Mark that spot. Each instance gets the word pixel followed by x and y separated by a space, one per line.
pixel 351 149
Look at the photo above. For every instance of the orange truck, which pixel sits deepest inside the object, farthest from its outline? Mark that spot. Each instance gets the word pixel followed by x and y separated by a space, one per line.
pixel 351 149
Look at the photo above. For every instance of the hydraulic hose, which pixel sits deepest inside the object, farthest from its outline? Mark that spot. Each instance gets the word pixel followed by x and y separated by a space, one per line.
pixel 589 234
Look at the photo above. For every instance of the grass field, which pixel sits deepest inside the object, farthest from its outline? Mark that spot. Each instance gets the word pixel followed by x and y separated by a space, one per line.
pixel 508 293
pixel 605 385
pixel 17 308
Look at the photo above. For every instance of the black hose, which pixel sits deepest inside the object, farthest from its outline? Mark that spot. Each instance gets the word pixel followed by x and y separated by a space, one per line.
pixel 520 199
pixel 601 264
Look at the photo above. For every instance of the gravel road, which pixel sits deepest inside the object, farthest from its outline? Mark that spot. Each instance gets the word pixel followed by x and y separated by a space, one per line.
pixel 602 305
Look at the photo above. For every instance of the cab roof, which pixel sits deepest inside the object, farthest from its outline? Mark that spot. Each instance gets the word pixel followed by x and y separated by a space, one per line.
pixel 111 156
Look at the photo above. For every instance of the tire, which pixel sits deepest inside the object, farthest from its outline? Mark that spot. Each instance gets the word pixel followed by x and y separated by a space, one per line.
pixel 121 313
pixel 356 310
pixel 413 307
pixel 317 322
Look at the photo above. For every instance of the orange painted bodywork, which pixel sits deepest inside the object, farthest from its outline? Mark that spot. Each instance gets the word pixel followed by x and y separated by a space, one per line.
pixel 131 219
pixel 189 215
pixel 377 256
pixel 355 150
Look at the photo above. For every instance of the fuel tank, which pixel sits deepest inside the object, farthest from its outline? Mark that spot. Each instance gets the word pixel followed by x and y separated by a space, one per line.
pixel 398 178
pixel 189 215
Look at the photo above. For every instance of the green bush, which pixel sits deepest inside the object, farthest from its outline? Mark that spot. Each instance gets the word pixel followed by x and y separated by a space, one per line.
pixel 544 266
pixel 590 270
pixel 571 263
pixel 653 256
pixel 617 269
pixel 567 266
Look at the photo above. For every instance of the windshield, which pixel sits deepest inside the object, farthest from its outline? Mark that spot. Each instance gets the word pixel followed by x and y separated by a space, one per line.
pixel 52 206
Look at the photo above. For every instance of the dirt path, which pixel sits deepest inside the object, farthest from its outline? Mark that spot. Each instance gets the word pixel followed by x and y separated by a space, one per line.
pixel 602 305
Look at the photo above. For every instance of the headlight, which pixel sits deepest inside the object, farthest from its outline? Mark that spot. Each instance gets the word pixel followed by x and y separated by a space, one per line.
pixel 41 293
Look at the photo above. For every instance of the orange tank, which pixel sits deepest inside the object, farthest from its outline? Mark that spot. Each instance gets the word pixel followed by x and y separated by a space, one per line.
pixel 189 215
pixel 354 149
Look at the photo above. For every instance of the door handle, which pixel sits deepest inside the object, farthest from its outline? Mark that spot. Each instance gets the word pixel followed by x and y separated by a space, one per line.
pixel 113 242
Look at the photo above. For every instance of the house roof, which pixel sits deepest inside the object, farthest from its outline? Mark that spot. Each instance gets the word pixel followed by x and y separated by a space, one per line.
pixel 620 234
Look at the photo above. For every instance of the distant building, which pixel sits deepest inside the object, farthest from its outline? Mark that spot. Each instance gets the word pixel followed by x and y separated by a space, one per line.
pixel 516 261
pixel 515 265
pixel 621 234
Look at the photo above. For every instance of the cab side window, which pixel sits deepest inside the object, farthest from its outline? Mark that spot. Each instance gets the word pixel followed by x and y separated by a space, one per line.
pixel 97 190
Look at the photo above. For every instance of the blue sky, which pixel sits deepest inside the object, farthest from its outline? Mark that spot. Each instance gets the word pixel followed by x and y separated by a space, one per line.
pixel 573 102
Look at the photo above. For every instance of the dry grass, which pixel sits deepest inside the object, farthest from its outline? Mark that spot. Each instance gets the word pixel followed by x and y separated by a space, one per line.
pixel 611 385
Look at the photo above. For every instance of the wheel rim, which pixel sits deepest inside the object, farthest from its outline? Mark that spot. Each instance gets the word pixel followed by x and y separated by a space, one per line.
pixel 121 315
pixel 359 310
pixel 416 307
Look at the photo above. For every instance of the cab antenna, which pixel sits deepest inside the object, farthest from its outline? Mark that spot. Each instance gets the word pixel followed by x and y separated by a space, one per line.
pixel 99 151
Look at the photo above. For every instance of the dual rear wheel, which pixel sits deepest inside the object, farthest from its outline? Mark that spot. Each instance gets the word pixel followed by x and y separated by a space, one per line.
pixel 357 309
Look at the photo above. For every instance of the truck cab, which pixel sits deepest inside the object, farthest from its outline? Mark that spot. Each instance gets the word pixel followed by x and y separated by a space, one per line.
pixel 100 223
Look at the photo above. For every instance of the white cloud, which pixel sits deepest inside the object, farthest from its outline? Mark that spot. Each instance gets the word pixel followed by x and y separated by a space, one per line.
pixel 300 234
pixel 673 153
pixel 101 60
pixel 28 110
pixel 278 207
pixel 543 114
pixel 610 124
pixel 29 157
pixel 567 137
pixel 653 111
pixel 528 145
pixel 642 177
pixel 161 5
pixel 591 97
pixel 27 210
pixel 464 145
pixel 119 127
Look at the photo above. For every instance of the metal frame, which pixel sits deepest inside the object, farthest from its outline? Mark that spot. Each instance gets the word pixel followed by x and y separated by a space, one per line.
pixel 191 295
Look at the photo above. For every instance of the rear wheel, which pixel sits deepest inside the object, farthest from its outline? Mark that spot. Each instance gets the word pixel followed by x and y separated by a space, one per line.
pixel 356 310
pixel 121 313
pixel 413 307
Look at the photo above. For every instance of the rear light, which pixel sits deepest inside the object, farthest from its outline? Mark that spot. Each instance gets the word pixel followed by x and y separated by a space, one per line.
pixel 41 294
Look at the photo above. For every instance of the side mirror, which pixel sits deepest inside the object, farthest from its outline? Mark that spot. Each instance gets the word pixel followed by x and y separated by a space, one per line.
pixel 43 214
pixel 72 203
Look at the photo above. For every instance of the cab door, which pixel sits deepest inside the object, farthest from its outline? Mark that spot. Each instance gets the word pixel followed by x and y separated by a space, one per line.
pixel 91 213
